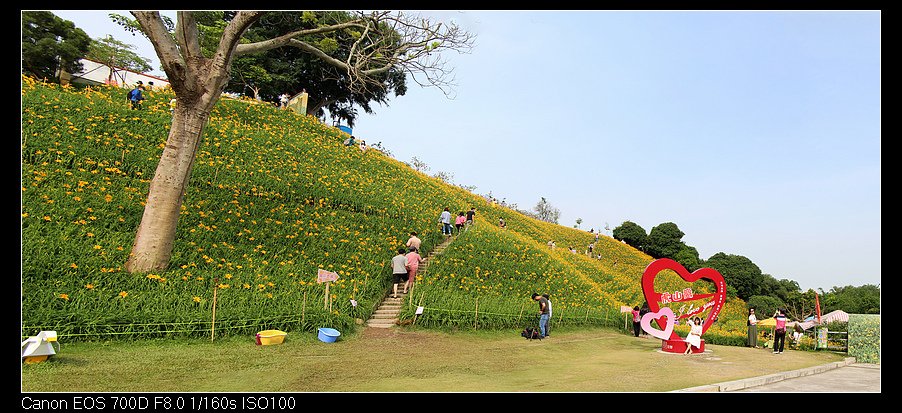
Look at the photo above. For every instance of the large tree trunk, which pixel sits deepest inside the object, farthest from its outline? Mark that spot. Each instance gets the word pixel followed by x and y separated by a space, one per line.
pixel 154 240
pixel 197 82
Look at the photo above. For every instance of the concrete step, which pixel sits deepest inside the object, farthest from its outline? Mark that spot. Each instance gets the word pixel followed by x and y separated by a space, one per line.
pixel 381 323
pixel 387 315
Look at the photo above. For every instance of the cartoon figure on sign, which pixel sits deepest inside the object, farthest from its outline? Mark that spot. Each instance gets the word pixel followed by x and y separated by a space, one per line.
pixel 688 303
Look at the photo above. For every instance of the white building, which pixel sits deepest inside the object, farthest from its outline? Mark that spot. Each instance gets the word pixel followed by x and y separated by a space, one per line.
pixel 96 73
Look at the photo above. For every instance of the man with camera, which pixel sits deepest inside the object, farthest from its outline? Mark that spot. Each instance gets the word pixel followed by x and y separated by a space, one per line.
pixel 543 312
pixel 779 331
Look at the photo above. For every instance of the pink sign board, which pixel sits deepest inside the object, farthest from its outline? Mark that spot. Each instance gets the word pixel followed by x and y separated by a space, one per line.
pixel 325 276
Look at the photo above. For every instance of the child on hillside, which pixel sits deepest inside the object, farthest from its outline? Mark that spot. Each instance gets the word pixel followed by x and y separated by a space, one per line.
pixel 413 264
pixel 459 222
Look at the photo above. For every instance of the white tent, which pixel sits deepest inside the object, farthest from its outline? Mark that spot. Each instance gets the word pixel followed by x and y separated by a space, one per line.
pixel 835 315
pixel 807 324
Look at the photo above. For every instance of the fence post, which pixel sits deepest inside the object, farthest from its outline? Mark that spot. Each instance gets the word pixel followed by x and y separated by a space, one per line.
pixel 213 323
pixel 476 318
pixel 326 298
pixel 521 313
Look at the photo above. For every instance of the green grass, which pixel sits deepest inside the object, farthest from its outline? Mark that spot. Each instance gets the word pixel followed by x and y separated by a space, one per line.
pixel 403 360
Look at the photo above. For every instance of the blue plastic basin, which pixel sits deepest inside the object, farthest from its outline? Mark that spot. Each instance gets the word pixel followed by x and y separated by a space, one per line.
pixel 328 335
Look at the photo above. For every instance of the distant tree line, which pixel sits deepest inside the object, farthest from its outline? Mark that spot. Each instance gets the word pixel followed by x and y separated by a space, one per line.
pixel 745 280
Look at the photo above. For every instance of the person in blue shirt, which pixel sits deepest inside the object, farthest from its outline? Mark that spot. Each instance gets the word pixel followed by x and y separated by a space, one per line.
pixel 136 96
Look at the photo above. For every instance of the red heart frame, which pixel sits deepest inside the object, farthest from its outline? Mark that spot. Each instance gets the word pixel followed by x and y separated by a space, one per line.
pixel 652 297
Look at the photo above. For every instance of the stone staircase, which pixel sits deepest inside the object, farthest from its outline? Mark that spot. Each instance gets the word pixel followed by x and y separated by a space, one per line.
pixel 387 315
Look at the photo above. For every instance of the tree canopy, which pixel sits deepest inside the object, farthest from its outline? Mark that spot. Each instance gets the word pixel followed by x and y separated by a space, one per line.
pixel 631 233
pixel 853 300
pixel 115 53
pixel 664 240
pixel 50 43
pixel 292 70
pixel 764 305
pixel 546 212
pixel 688 257
pixel 738 272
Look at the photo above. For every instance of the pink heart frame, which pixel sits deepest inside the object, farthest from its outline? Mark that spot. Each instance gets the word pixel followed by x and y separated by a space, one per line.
pixel 668 330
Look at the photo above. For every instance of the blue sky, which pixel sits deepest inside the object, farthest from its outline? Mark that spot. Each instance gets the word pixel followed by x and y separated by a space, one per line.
pixel 756 132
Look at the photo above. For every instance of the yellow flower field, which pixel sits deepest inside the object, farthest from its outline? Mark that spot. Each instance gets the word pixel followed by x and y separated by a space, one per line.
pixel 273 197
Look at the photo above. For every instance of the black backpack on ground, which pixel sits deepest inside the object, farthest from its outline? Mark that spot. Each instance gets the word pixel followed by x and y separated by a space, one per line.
pixel 531 333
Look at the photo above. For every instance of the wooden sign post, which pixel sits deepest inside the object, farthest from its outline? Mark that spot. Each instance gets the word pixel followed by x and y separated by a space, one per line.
pixel 626 309
pixel 323 276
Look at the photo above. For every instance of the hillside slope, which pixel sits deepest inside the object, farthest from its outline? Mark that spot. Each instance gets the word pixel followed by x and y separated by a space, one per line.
pixel 273 198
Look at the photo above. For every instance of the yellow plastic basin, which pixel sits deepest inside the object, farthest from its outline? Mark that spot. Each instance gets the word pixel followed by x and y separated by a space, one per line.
pixel 268 337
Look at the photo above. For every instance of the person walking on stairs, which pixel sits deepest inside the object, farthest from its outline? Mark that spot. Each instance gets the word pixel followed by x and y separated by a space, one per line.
pixel 413 264
pixel 445 220
pixel 414 241
pixel 399 272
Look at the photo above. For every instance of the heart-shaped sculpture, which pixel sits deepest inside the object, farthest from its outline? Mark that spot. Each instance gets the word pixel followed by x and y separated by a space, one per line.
pixel 656 299
pixel 662 334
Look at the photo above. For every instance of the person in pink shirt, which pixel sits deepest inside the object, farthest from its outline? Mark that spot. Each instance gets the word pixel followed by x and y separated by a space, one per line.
pixel 459 222
pixel 779 331
pixel 413 264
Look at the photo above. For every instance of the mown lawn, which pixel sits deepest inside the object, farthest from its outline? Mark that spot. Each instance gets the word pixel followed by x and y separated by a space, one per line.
pixel 403 360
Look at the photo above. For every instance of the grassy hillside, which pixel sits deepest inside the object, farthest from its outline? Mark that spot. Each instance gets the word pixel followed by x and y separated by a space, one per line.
pixel 273 197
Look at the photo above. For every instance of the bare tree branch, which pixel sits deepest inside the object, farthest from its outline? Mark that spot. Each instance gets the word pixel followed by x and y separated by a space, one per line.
pixel 166 48
pixel 289 39
pixel 387 41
